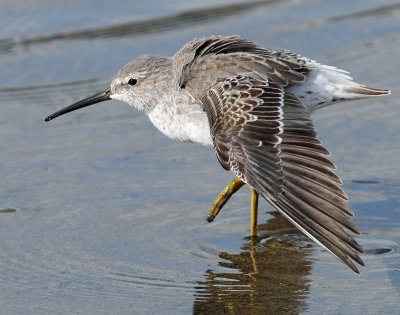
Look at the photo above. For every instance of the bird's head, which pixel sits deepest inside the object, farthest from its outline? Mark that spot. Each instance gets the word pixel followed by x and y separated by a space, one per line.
pixel 140 83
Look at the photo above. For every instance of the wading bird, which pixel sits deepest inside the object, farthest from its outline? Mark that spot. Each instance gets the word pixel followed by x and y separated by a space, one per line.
pixel 253 105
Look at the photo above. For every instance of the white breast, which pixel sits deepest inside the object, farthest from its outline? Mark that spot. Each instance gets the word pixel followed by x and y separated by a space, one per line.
pixel 182 119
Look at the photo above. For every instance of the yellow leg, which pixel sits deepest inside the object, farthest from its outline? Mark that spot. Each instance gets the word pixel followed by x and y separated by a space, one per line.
pixel 253 257
pixel 223 197
pixel 253 212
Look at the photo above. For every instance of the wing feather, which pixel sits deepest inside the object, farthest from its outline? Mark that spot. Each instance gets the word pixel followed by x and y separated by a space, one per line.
pixel 204 61
pixel 266 137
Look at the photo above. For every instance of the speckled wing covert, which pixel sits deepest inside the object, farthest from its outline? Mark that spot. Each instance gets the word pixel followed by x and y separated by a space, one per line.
pixel 266 137
pixel 204 61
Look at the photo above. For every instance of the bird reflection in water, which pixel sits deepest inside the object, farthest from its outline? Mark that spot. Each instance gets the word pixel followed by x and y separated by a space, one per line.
pixel 271 278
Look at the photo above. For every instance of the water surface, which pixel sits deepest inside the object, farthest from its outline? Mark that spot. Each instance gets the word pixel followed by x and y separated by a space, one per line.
pixel 101 214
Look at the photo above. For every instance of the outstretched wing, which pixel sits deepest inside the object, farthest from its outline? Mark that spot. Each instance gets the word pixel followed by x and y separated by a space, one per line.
pixel 266 137
pixel 204 61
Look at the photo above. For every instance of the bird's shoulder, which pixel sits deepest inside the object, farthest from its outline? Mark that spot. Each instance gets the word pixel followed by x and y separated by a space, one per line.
pixel 204 61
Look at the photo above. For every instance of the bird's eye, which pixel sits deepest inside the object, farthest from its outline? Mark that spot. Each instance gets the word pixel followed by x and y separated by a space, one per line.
pixel 132 81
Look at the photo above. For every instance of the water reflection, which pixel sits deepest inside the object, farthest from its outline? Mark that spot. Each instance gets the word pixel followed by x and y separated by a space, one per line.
pixel 268 277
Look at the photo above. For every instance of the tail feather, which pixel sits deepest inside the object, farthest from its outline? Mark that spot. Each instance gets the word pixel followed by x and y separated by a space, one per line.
pixel 365 91
pixel 326 85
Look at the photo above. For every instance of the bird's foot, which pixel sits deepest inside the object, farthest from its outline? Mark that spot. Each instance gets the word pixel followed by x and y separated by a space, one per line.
pixel 223 197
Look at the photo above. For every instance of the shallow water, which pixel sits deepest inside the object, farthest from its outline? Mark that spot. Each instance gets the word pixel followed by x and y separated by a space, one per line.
pixel 100 213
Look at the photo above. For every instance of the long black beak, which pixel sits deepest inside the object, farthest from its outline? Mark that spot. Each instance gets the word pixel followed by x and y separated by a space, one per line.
pixel 97 98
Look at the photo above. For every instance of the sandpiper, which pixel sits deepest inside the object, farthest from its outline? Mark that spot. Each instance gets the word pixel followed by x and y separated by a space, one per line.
pixel 253 105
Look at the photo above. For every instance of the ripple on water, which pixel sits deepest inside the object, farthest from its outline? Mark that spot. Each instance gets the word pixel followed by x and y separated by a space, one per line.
pixel 380 249
pixel 8 210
